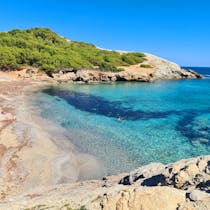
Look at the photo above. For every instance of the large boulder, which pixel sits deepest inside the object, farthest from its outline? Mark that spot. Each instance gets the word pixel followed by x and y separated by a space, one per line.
pixel 143 173
pixel 189 174
pixel 158 198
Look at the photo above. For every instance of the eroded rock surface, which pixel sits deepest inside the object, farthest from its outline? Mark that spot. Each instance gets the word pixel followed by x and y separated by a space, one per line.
pixel 159 69
pixel 186 174
pixel 183 185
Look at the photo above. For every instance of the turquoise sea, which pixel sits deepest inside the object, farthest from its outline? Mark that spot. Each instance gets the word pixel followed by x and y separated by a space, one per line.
pixel 128 124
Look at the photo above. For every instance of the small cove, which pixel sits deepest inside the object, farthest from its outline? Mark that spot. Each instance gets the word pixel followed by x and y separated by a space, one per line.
pixel 159 122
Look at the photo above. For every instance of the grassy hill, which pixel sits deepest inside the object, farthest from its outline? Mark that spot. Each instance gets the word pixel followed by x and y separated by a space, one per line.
pixel 44 49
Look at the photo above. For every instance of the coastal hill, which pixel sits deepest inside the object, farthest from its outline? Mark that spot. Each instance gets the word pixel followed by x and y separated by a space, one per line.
pixel 41 54
pixel 44 49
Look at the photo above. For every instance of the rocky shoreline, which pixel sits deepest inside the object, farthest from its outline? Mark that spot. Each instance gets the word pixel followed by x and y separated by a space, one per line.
pixel 155 68
pixel 183 185
pixel 26 177
pixel 158 69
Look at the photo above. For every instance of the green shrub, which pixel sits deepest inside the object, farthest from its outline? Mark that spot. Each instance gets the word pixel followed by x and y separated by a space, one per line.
pixel 108 67
pixel 133 58
pixel 44 49
pixel 7 58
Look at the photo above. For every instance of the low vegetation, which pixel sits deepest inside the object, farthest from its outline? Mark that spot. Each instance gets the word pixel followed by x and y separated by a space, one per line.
pixel 44 49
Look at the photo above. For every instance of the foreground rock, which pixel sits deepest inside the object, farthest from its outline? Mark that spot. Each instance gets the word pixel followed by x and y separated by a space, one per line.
pixel 183 185
pixel 187 174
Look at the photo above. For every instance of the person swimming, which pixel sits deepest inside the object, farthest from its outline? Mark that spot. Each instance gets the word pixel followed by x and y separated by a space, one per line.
pixel 119 119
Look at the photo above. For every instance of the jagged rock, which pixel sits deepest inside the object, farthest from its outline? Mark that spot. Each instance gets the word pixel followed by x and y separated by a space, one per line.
pixel 197 195
pixel 185 174
pixel 70 76
pixel 193 192
pixel 188 173
pixel 195 73
pixel 207 169
pixel 143 172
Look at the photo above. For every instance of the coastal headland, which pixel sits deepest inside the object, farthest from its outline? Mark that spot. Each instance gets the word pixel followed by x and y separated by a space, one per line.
pixel 41 54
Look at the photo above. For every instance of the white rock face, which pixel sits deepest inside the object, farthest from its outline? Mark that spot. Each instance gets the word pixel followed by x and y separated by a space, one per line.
pixel 167 70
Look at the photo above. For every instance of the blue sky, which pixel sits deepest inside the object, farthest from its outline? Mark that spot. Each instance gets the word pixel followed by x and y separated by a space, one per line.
pixel 178 30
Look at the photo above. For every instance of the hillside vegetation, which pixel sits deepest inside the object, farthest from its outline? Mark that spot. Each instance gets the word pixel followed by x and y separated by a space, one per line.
pixel 44 49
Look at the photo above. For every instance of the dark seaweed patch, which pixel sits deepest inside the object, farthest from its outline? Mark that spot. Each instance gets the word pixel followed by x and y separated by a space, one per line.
pixel 187 124
pixel 98 105
pixel 193 130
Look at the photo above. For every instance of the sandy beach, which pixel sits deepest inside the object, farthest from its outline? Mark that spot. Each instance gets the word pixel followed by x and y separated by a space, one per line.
pixel 33 151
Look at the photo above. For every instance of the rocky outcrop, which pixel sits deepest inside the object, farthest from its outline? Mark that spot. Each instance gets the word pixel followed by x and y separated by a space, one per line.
pixel 166 70
pixel 157 198
pixel 159 69
pixel 187 174
pixel 183 185
pixel 99 76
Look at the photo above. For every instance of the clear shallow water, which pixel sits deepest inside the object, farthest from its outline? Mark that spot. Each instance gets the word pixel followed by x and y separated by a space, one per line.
pixel 162 121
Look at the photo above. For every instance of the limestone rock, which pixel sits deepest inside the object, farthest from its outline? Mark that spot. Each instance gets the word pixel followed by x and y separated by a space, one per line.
pixel 192 181
pixel 198 205
pixel 190 173
pixel 168 70
pixel 143 172
pixel 197 195
pixel 185 174
pixel 158 198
